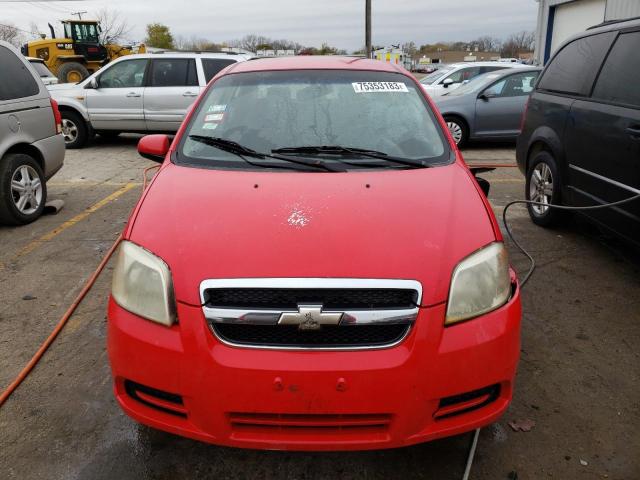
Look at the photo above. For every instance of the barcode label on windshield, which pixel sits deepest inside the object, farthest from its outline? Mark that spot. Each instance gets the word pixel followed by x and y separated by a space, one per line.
pixel 373 87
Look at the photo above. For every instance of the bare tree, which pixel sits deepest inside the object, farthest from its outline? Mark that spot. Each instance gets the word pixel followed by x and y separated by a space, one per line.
pixel 114 26
pixel 488 44
pixel 9 33
pixel 518 42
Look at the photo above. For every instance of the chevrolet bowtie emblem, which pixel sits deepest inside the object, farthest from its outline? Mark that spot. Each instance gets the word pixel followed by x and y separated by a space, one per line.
pixel 310 317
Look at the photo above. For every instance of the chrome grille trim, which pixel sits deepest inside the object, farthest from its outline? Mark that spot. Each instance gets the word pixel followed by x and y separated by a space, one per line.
pixel 256 316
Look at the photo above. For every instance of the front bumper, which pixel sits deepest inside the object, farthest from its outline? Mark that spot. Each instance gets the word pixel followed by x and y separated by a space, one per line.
pixel 314 400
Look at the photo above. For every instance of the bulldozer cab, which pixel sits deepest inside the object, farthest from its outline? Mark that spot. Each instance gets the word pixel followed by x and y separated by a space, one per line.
pixel 86 39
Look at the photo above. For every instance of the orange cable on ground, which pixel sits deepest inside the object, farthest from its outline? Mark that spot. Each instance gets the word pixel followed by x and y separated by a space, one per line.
pixel 491 165
pixel 67 315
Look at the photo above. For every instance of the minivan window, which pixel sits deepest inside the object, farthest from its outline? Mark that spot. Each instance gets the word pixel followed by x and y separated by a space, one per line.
pixel 464 74
pixel 266 111
pixel 173 72
pixel 620 76
pixel 212 66
pixel 16 81
pixel 573 69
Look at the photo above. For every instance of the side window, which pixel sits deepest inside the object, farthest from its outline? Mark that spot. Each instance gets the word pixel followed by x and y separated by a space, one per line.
pixel 519 85
pixel 173 72
pixel 212 66
pixel 573 69
pixel 16 80
pixel 464 74
pixel 125 74
pixel 620 76
pixel 490 69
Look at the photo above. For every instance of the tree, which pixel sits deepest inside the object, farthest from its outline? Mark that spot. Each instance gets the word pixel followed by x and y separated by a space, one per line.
pixel 518 42
pixel 488 44
pixel 114 27
pixel 159 36
pixel 9 33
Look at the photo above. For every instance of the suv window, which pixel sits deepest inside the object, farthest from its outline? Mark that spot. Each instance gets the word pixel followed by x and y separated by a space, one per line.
pixel 573 69
pixel 620 76
pixel 173 72
pixel 126 74
pixel 16 80
pixel 464 74
pixel 212 66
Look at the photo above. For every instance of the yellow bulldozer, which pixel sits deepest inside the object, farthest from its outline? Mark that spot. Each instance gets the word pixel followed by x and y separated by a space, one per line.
pixel 79 53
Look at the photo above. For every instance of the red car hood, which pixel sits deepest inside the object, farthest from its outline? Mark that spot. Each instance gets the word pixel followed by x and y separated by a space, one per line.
pixel 403 224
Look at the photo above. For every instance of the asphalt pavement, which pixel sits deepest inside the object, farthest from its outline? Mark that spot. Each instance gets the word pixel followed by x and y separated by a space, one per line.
pixel 578 380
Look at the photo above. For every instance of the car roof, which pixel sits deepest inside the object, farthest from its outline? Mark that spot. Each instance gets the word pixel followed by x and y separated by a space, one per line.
pixel 314 62
pixel 35 59
pixel 231 56
pixel 483 64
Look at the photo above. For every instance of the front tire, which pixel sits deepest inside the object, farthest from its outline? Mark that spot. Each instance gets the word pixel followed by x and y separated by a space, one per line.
pixel 74 129
pixel 543 185
pixel 23 189
pixel 458 129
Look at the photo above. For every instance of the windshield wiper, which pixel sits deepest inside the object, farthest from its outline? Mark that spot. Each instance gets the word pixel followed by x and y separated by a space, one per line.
pixel 242 151
pixel 338 150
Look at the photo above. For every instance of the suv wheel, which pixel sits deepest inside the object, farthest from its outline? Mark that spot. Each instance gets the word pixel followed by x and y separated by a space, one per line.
pixel 74 129
pixel 23 189
pixel 543 186
pixel 459 130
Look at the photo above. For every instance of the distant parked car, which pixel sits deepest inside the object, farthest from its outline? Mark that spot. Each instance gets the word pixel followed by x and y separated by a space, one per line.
pixel 490 107
pixel 136 93
pixel 453 75
pixel 31 147
pixel 47 77
pixel 580 144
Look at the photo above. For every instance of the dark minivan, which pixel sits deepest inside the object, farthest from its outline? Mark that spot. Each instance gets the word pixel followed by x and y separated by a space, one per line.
pixel 580 141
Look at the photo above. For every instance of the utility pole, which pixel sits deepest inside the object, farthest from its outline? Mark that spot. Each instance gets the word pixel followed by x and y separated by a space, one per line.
pixel 79 14
pixel 367 28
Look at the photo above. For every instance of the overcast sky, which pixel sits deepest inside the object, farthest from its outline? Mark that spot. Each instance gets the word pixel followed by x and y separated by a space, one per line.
pixel 338 22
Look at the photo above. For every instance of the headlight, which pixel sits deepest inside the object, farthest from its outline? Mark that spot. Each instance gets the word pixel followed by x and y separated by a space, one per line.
pixel 480 283
pixel 142 284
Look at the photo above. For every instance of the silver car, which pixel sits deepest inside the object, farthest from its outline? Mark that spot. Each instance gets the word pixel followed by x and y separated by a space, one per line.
pixel 31 144
pixel 136 93
pixel 490 106
pixel 47 77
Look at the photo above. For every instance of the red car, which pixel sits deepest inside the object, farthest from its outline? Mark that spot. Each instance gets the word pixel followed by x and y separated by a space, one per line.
pixel 313 268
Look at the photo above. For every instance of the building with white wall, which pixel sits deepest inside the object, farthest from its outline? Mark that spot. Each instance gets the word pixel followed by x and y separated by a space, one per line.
pixel 560 19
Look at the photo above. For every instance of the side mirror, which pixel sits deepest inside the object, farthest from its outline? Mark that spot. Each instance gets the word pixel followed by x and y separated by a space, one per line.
pixel 447 82
pixel 154 147
pixel 485 186
pixel 93 83
pixel 486 96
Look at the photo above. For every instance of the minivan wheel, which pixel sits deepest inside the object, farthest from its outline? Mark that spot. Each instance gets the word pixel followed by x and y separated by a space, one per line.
pixel 458 129
pixel 74 130
pixel 23 189
pixel 543 186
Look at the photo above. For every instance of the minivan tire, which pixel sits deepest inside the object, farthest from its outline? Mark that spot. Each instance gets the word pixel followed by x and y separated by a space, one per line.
pixel 74 129
pixel 24 169
pixel 543 184
pixel 458 129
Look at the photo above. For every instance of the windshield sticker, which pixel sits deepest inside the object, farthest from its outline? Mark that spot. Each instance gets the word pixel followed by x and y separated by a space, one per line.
pixel 216 108
pixel 379 87
pixel 209 126
pixel 214 117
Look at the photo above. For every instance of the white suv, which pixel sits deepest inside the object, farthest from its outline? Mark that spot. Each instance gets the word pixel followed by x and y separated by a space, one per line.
pixel 453 75
pixel 136 93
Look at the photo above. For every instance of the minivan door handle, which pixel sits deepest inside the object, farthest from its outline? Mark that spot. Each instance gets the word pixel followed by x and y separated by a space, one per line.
pixel 189 94
pixel 133 95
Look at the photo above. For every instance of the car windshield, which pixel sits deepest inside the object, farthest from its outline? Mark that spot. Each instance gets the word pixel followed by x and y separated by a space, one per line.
pixel 474 85
pixel 286 119
pixel 435 76
pixel 41 69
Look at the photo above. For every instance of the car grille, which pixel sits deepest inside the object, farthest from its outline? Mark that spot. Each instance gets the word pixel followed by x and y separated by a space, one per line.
pixel 329 298
pixel 329 336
